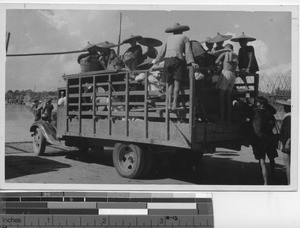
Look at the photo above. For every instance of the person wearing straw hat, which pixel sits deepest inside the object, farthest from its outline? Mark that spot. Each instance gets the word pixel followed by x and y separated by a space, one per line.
pixel 150 43
pixel 209 46
pixel 219 40
pixel 151 53
pixel 285 136
pixel 107 55
pixel 247 61
pixel 133 56
pixel 176 53
pixel 261 136
pixel 90 61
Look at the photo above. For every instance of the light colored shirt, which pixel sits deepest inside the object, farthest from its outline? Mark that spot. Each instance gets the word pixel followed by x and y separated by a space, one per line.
pixel 177 45
pixel 62 102
pixel 229 60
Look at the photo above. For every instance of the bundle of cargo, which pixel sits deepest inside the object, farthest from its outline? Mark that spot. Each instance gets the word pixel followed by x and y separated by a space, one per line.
pixel 90 61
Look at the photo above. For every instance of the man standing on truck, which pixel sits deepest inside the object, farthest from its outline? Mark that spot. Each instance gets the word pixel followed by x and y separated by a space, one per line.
pixel 133 56
pixel 176 52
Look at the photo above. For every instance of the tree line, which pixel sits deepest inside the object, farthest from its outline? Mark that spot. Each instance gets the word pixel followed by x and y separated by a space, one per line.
pixel 24 96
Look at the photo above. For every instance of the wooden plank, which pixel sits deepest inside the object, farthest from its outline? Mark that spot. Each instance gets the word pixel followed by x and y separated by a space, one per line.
pixel 118 103
pixel 73 95
pixel 127 105
pixel 146 105
pixel 87 94
pixel 67 104
pixel 102 104
pixel 74 126
pixel 136 114
pixel 192 101
pixel 156 133
pixel 123 93
pixel 167 114
pixel 94 104
pixel 136 104
pixel 109 104
pixel 61 121
pixel 99 84
pixel 131 82
pixel 89 74
pixel 73 86
pixel 80 104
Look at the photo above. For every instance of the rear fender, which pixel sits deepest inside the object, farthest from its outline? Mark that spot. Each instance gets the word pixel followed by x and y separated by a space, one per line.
pixel 48 131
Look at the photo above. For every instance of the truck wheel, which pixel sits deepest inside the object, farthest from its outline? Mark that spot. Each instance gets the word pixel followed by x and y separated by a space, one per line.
pixel 39 142
pixel 129 160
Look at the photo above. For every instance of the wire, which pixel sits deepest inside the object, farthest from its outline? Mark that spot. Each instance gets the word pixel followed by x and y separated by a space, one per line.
pixel 49 53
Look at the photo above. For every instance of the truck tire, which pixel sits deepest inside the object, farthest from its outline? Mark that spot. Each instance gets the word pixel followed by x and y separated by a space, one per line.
pixel 39 142
pixel 129 160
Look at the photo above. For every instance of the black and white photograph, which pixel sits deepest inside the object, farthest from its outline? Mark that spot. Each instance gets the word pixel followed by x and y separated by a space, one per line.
pixel 149 113
pixel 184 96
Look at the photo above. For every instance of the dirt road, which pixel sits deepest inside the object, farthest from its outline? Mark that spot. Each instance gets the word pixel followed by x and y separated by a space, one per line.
pixel 65 165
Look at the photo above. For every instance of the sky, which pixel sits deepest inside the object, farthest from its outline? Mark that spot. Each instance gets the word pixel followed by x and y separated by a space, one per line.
pixel 34 31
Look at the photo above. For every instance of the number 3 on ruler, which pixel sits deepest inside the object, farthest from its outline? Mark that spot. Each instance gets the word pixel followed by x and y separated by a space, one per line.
pixel 161 221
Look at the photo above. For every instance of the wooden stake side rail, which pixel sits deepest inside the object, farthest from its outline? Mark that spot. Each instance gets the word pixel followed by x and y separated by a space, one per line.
pixel 109 105
pixel 127 100
pixel 126 104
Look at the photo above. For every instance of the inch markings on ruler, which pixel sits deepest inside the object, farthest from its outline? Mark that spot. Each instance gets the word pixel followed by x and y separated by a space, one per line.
pixel 107 221
pixel 90 209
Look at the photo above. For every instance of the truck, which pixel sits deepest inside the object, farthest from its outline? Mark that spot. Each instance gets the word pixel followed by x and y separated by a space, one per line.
pixel 110 109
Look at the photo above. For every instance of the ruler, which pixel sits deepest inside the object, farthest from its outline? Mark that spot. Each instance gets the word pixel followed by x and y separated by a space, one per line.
pixel 105 209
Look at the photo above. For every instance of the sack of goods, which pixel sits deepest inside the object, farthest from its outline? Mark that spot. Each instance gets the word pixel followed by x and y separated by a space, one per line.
pixel 90 63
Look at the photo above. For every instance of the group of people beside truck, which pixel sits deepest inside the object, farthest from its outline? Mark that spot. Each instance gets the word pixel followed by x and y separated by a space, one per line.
pixel 221 65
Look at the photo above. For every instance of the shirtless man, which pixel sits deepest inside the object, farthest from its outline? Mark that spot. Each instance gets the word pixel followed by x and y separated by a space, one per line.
pixel 176 52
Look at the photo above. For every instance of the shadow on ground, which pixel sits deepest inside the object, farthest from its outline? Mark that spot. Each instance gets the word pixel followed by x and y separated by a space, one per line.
pixel 220 171
pixel 215 169
pixel 18 166
pixel 102 158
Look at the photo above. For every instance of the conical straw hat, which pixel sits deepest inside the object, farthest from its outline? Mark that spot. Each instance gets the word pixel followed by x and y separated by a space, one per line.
pixel 177 27
pixel 244 37
pixel 219 38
